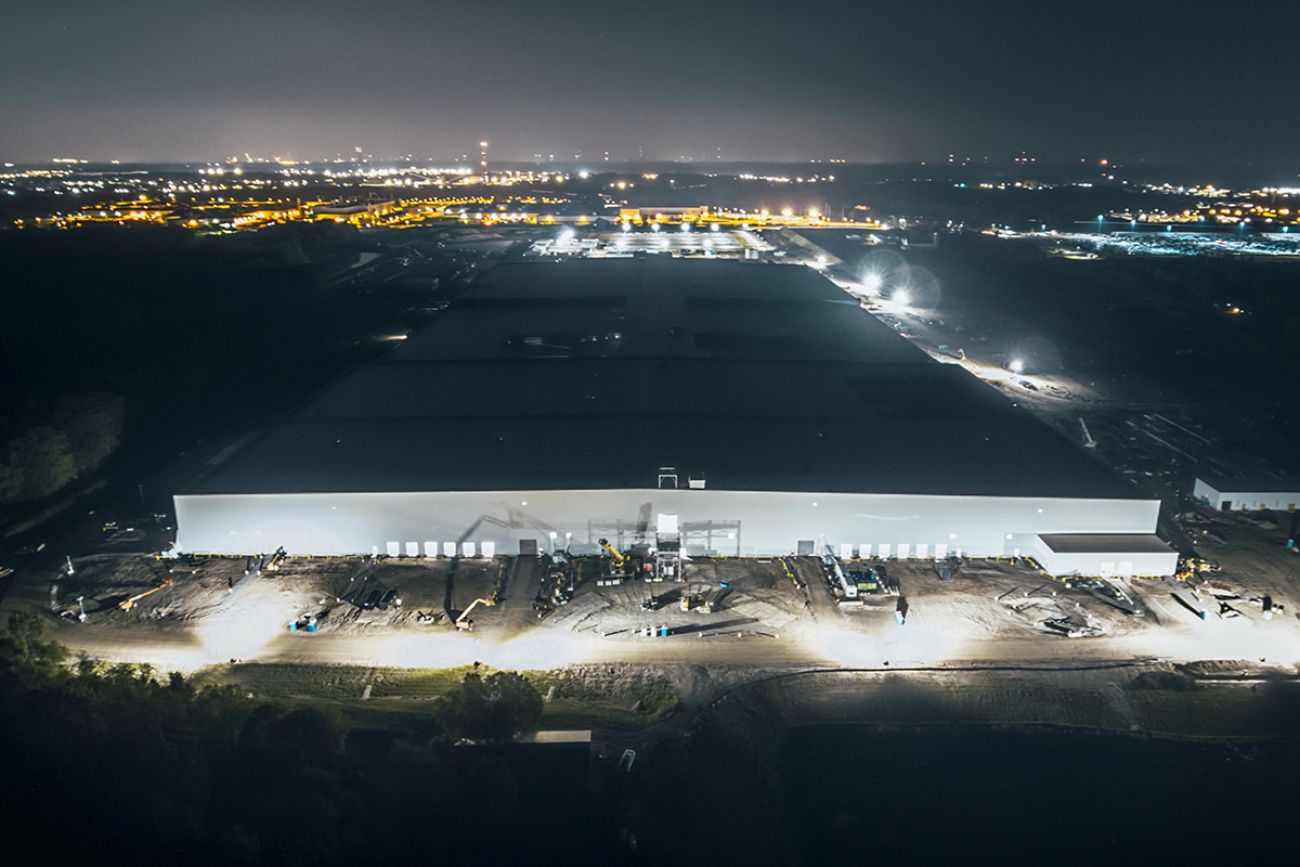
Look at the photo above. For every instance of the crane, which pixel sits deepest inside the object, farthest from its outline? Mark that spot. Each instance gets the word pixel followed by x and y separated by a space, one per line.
pixel 1088 441
pixel 620 559
pixel 129 603
pixel 463 622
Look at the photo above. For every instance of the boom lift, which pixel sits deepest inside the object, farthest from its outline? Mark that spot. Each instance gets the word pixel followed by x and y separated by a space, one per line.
pixel 463 622
pixel 841 586
pixel 129 603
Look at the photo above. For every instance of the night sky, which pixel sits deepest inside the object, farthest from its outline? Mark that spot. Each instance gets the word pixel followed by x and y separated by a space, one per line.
pixel 1204 83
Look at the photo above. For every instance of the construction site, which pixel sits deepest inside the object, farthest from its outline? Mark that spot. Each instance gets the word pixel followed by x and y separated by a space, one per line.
pixel 557 608
pixel 656 459
pixel 694 407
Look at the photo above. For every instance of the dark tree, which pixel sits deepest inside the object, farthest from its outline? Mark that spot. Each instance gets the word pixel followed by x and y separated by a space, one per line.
pixel 43 457
pixel 495 708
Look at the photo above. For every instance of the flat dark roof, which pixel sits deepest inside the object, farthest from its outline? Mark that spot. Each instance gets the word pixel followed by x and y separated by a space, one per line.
pixel 1106 543
pixel 589 373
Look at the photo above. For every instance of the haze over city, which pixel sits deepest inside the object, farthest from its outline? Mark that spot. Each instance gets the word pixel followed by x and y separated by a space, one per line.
pixel 158 81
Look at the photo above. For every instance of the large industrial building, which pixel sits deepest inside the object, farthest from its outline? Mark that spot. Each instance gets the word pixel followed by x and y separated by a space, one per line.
pixel 756 409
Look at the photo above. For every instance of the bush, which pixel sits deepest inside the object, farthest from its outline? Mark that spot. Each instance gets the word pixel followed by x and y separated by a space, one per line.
pixel 495 708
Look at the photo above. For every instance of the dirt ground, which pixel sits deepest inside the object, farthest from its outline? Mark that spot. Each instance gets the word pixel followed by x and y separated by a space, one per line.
pixel 782 607
pixel 206 587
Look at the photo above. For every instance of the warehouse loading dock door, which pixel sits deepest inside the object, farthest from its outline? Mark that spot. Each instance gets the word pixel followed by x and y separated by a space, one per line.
pixel 527 547
pixel 806 547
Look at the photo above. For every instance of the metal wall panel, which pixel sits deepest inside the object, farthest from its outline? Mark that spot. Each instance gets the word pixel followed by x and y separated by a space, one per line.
pixel 767 522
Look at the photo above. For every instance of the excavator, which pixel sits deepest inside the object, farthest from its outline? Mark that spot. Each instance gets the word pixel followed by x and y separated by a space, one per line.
pixel 129 603
pixel 463 623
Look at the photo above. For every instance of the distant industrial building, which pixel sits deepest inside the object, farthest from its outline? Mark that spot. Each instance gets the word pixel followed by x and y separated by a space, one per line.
pixel 1257 491
pixel 751 409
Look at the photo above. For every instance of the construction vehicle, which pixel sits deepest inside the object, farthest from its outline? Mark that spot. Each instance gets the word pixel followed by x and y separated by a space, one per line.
pixel 619 559
pixel 1088 441
pixel 559 580
pixel 273 564
pixel 840 586
pixel 130 602
pixel 1190 568
pixel 865 580
pixel 619 565
pixel 463 622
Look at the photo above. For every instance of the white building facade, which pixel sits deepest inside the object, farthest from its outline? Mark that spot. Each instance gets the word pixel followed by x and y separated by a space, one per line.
pixel 1237 499
pixel 712 522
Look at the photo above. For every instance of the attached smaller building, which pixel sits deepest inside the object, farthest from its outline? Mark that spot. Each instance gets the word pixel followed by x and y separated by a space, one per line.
pixel 1248 492
pixel 1108 555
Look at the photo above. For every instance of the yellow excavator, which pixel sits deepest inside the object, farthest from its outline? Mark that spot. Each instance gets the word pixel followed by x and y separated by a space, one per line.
pixel 463 622
pixel 129 603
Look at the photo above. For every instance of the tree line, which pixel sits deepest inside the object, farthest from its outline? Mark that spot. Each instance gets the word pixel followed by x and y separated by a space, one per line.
pixel 118 762
pixel 62 441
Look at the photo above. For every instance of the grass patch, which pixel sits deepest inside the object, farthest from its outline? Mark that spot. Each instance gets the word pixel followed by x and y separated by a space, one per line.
pixel 581 697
